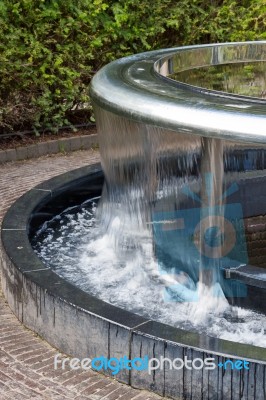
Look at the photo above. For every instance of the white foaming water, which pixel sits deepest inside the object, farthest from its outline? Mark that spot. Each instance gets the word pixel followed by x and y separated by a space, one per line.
pixel 122 270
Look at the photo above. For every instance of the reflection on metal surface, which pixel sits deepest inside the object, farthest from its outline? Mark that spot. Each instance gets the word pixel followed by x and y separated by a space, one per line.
pixel 202 56
pixel 199 68
pixel 246 79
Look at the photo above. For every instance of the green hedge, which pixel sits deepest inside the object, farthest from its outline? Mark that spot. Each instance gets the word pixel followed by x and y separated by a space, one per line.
pixel 50 49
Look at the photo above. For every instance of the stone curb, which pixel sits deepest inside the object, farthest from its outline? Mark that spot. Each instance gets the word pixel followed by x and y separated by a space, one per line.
pixel 64 145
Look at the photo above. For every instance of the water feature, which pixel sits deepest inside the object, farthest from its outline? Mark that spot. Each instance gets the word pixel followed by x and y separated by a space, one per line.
pixel 165 256
pixel 176 208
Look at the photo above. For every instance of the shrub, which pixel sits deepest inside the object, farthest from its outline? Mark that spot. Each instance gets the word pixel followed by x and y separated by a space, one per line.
pixel 50 49
pixel 211 21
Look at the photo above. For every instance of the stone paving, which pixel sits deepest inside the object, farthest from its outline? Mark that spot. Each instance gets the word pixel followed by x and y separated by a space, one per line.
pixel 26 361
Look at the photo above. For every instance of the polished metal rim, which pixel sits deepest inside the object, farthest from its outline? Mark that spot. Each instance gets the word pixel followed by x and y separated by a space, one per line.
pixel 214 55
pixel 137 88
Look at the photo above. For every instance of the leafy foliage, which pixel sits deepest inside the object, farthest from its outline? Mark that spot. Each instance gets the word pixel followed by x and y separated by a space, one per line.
pixel 50 49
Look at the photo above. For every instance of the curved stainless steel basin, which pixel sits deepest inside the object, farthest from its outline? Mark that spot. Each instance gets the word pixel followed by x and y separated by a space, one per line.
pixel 136 87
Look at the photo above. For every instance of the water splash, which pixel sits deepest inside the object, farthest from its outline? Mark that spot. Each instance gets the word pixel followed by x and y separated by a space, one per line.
pixel 131 278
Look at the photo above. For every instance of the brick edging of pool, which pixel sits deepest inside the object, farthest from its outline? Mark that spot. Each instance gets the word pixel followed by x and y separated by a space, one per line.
pixel 63 145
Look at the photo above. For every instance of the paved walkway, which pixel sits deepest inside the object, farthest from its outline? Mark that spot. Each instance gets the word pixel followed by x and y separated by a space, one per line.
pixel 26 361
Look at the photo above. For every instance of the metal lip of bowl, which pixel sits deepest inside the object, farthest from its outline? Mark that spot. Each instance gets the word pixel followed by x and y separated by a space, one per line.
pixel 208 56
pixel 134 87
pixel 24 276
